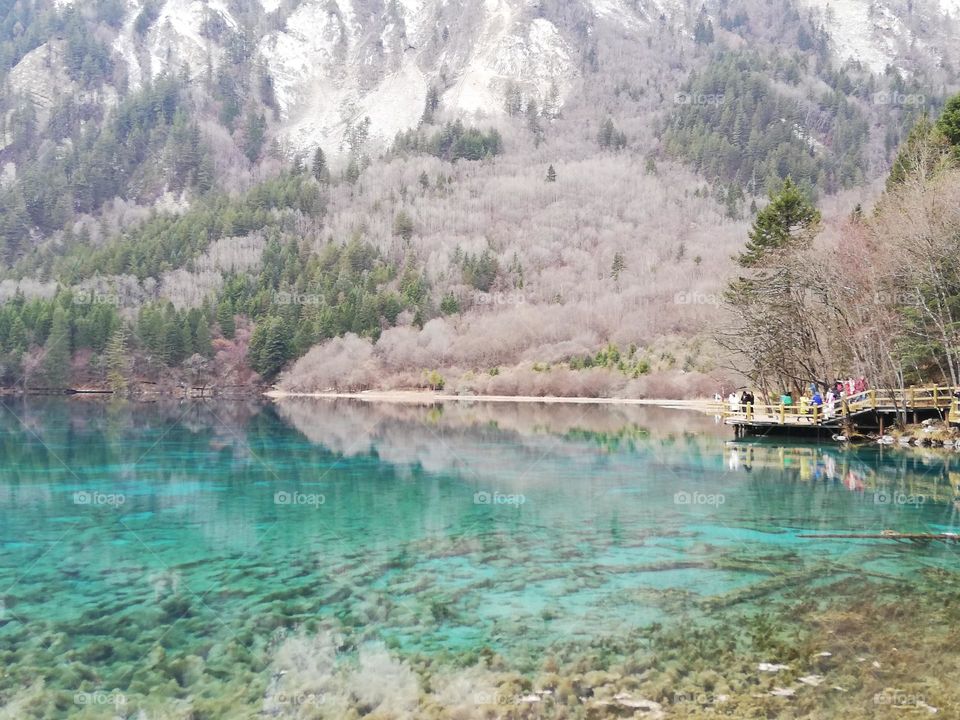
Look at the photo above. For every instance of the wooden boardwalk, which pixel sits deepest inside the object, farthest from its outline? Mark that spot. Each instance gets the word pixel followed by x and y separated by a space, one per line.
pixel 870 408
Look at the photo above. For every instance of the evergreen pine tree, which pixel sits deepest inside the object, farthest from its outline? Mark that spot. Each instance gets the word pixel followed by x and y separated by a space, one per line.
pixel 319 166
pixel 925 148
pixel 226 320
pixel 449 305
pixel 703 31
pixel 173 349
pixel 551 174
pixel 403 225
pixel 56 359
pixel 352 173
pixel 430 105
pixel 617 267
pixel 270 346
pixel 949 121
pixel 18 339
pixel 606 133
pixel 790 217
pixel 276 351
pixel 201 338
pixel 116 360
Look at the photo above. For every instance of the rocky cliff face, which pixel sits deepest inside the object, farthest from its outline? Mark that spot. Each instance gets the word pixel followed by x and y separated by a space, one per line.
pixel 343 67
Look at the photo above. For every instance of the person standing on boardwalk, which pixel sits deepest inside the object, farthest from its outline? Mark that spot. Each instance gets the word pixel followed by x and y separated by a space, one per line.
pixel 786 399
pixel 829 406
pixel 816 402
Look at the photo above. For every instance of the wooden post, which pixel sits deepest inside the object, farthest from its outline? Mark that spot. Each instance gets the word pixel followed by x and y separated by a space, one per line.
pixel 881 424
pixel 783 413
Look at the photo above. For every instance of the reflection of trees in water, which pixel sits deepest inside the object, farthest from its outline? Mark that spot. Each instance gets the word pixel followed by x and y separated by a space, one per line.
pixel 818 462
pixel 49 443
pixel 550 441
pixel 932 475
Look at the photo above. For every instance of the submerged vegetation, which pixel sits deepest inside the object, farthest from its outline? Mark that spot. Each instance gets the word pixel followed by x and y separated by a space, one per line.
pixel 642 607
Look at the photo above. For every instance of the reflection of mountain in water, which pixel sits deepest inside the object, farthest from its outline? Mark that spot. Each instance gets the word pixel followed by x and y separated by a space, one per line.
pixel 459 437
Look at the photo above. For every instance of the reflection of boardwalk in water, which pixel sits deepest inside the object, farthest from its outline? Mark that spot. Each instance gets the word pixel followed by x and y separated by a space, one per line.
pixel 870 409
pixel 892 473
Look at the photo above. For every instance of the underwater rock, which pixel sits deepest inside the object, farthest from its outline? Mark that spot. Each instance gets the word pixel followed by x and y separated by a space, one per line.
pixel 643 704
pixel 783 692
pixel 772 667
pixel 812 680
pixel 649 709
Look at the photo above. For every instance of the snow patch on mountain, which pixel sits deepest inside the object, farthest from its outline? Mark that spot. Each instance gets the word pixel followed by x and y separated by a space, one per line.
pixel 336 63
pixel 329 76
pixel 535 56
pixel 174 41
pixel 853 32
pixel 873 32
pixel 950 7
pixel 41 77
pixel 635 15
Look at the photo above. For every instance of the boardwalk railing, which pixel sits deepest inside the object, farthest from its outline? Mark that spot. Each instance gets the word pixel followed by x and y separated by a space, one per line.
pixel 883 400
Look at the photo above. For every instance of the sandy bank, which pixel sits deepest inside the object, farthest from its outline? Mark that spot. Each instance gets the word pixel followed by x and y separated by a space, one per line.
pixel 426 396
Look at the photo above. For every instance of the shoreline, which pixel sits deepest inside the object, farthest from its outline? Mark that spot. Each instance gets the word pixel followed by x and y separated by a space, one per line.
pixel 412 397
pixel 427 396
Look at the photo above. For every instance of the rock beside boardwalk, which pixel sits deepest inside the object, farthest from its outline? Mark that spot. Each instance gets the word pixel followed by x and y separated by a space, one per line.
pixel 929 433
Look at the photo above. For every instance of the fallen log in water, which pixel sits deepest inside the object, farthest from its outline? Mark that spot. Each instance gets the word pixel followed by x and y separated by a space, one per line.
pixel 889 535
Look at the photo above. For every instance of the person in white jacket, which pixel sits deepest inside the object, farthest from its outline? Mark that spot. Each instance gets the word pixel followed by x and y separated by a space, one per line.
pixel 734 402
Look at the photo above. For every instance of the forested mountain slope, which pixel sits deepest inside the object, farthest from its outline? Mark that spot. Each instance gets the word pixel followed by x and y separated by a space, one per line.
pixel 496 196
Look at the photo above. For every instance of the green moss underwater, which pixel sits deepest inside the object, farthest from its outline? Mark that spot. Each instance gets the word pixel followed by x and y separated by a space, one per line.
pixel 343 560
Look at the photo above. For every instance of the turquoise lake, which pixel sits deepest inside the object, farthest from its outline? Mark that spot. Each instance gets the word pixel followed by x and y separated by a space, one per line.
pixel 327 559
